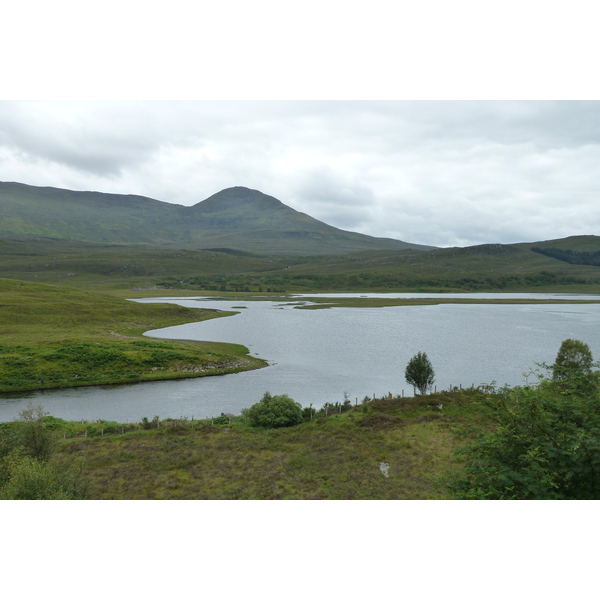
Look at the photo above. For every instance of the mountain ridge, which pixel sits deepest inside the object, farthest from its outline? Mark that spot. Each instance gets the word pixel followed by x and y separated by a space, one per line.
pixel 238 217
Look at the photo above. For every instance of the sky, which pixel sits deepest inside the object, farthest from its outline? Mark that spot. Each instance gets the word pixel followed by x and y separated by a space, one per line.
pixel 443 173
pixel 446 124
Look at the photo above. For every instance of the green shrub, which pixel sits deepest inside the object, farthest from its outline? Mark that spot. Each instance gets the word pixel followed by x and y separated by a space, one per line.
pixel 32 479
pixel 546 447
pixel 37 438
pixel 275 411
pixel 54 423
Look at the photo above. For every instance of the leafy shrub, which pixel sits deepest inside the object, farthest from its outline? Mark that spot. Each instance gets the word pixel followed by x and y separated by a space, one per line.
pixel 111 427
pixel 54 423
pixel 92 430
pixel 546 447
pixel 32 479
pixel 275 411
pixel 37 438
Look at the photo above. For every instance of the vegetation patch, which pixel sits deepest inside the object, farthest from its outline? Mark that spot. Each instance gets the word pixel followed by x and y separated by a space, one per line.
pixel 59 337
pixel 484 268
pixel 335 453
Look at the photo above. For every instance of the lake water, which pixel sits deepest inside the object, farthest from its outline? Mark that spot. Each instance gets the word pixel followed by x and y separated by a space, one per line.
pixel 317 356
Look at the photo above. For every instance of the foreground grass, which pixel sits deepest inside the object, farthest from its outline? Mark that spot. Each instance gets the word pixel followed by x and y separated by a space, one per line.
pixel 337 457
pixel 53 336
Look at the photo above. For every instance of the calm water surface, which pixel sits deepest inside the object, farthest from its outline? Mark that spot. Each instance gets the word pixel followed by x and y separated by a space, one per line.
pixel 316 356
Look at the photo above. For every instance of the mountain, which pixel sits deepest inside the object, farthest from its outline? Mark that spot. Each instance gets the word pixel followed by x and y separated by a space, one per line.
pixel 237 218
pixel 86 216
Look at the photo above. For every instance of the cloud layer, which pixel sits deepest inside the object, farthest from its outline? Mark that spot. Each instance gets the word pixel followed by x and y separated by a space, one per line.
pixel 448 173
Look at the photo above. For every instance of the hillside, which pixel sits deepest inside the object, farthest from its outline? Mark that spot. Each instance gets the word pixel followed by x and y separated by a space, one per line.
pixel 236 218
pixel 488 267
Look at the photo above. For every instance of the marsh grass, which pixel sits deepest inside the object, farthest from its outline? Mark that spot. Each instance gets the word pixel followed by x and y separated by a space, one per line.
pixel 52 337
pixel 336 457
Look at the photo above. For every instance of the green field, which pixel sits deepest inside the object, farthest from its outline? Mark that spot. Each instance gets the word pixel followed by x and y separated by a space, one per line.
pixel 337 457
pixel 53 336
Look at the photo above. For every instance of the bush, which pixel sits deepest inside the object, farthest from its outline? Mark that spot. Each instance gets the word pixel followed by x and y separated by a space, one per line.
pixel 37 437
pixel 546 447
pixel 275 411
pixel 28 478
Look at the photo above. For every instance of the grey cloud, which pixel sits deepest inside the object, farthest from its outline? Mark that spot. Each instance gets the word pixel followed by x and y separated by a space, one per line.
pixel 442 173
pixel 99 138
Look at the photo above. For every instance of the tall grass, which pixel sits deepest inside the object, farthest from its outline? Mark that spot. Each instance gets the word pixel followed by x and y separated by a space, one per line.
pixel 337 457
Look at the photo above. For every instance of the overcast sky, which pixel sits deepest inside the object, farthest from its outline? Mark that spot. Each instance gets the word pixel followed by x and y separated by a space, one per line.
pixel 445 173
pixel 423 166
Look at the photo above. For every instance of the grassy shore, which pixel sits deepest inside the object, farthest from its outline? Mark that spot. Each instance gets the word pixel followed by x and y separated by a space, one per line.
pixel 53 336
pixel 335 457
pixel 357 302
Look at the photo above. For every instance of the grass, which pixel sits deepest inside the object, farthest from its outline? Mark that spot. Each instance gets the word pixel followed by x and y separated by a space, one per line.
pixel 334 458
pixel 320 303
pixel 491 268
pixel 53 336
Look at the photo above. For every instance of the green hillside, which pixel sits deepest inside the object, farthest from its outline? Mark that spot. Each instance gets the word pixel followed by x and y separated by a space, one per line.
pixel 85 216
pixel 490 267
pixel 244 219
pixel 237 218
pixel 241 240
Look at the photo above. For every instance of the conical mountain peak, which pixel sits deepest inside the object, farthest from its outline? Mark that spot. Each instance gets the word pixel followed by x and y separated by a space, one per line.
pixel 236 197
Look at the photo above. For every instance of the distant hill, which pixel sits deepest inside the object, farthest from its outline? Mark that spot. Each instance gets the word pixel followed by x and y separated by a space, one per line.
pixel 486 267
pixel 238 218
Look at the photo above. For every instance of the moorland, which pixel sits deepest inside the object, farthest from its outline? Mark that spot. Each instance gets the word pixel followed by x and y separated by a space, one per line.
pixel 69 259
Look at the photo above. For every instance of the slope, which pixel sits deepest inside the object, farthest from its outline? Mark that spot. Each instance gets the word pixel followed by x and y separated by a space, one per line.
pixel 488 267
pixel 86 216
pixel 237 218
